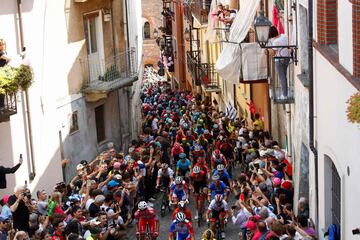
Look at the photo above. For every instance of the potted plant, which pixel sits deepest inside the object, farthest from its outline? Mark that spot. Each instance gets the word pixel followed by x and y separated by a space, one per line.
pixel 353 109
pixel 24 77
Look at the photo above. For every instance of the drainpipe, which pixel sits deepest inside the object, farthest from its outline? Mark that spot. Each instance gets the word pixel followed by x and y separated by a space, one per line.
pixel 127 24
pixel 311 110
pixel 113 29
pixel 27 110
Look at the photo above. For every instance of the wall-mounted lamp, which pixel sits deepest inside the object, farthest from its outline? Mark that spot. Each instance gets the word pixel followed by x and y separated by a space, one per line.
pixel 107 14
pixel 262 27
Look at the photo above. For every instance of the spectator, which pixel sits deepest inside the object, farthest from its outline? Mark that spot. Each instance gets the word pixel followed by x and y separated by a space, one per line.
pixel 20 207
pixel 5 170
pixel 5 209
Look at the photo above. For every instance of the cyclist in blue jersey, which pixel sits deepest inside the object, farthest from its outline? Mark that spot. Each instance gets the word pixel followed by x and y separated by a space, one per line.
pixel 217 187
pixel 223 174
pixel 178 191
pixel 183 166
pixel 182 228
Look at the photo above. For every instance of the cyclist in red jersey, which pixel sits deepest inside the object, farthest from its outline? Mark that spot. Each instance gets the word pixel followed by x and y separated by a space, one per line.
pixel 146 217
pixel 182 208
pixel 200 162
pixel 198 184
pixel 197 152
pixel 217 158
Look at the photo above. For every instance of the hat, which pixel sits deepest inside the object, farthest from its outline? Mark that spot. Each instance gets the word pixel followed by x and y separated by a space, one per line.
pixel 286 185
pixel 250 225
pixel 79 167
pixel 3 218
pixel 279 174
pixel 99 198
pixel 118 177
pixel 260 171
pixel 276 181
pixel 117 165
pixel 113 183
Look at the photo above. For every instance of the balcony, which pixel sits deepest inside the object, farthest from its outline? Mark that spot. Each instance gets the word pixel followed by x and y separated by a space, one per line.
pixel 103 76
pixel 202 73
pixel 198 9
pixel 7 106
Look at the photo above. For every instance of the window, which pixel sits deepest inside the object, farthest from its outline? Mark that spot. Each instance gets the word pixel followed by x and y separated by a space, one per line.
pixel 100 123
pixel 90 30
pixel 327 23
pixel 332 190
pixel 147 30
pixel 74 126
pixel 336 196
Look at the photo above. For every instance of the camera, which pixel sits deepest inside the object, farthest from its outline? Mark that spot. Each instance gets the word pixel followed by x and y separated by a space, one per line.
pixel 356 231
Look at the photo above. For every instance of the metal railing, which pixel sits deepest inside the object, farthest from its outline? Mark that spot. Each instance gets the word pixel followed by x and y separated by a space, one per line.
pixel 121 66
pixel 209 76
pixel 8 106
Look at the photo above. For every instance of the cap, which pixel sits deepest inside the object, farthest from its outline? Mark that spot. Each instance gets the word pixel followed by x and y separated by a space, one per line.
pixel 118 177
pixel 79 167
pixel 113 183
pixel 99 198
pixel 276 181
pixel 286 185
pixel 6 199
pixel 117 165
pixel 250 225
pixel 84 162
pixel 3 218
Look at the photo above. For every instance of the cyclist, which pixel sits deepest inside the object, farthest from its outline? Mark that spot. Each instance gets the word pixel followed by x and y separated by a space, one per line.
pixel 217 187
pixel 217 158
pixel 182 208
pixel 218 211
pixel 178 191
pixel 197 151
pixel 175 152
pixel 198 184
pixel 165 176
pixel 223 174
pixel 146 217
pixel 200 162
pixel 183 166
pixel 182 228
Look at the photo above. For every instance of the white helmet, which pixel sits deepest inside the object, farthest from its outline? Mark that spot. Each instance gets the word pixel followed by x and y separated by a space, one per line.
pixel 196 169
pixel 178 180
pixel 180 217
pixel 215 177
pixel 142 205
pixel 220 167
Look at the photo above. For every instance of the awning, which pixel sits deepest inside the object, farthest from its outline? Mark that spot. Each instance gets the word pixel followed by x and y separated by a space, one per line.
pixel 228 64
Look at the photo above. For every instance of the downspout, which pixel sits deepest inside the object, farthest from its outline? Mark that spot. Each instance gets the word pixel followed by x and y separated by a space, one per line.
pixel 127 25
pixel 27 110
pixel 311 110
pixel 113 29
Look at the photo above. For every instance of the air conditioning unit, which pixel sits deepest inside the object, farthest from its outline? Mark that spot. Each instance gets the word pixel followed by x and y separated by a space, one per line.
pixel 80 1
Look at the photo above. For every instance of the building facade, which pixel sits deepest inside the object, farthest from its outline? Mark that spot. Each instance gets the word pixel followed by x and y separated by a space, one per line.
pixel 85 57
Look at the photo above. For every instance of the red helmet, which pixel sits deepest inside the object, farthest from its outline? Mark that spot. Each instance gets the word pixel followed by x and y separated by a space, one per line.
pixel 217 152
pixel 179 132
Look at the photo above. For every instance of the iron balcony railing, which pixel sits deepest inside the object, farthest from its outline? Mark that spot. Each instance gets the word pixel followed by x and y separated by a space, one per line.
pixel 8 106
pixel 199 9
pixel 104 75
pixel 202 73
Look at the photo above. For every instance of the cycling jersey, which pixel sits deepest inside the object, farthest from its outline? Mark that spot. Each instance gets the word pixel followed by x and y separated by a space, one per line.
pixel 213 206
pixel 183 232
pixel 146 218
pixel 218 160
pixel 224 176
pixel 199 181
pixel 148 213
pixel 183 166
pixel 169 173
pixel 186 211
pixel 217 190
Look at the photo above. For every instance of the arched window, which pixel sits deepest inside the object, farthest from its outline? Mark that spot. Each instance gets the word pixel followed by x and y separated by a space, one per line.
pixel 146 30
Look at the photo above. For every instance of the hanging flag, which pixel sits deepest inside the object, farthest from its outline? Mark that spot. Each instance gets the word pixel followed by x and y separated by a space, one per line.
pixel 231 111
pixel 276 19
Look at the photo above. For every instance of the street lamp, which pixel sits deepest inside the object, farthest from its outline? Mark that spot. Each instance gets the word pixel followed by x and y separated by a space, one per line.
pixel 262 27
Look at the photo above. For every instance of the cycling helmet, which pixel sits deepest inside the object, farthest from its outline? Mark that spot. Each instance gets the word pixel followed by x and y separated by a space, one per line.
pixel 217 152
pixel 220 167
pixel 180 217
pixel 215 177
pixel 218 198
pixel 197 148
pixel 181 204
pixel 182 155
pixel 179 132
pixel 215 126
pixel 164 165
pixel 142 205
pixel 178 180
pixel 196 169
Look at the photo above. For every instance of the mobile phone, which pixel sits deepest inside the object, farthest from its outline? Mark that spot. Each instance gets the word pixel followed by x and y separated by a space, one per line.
pixel 356 231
